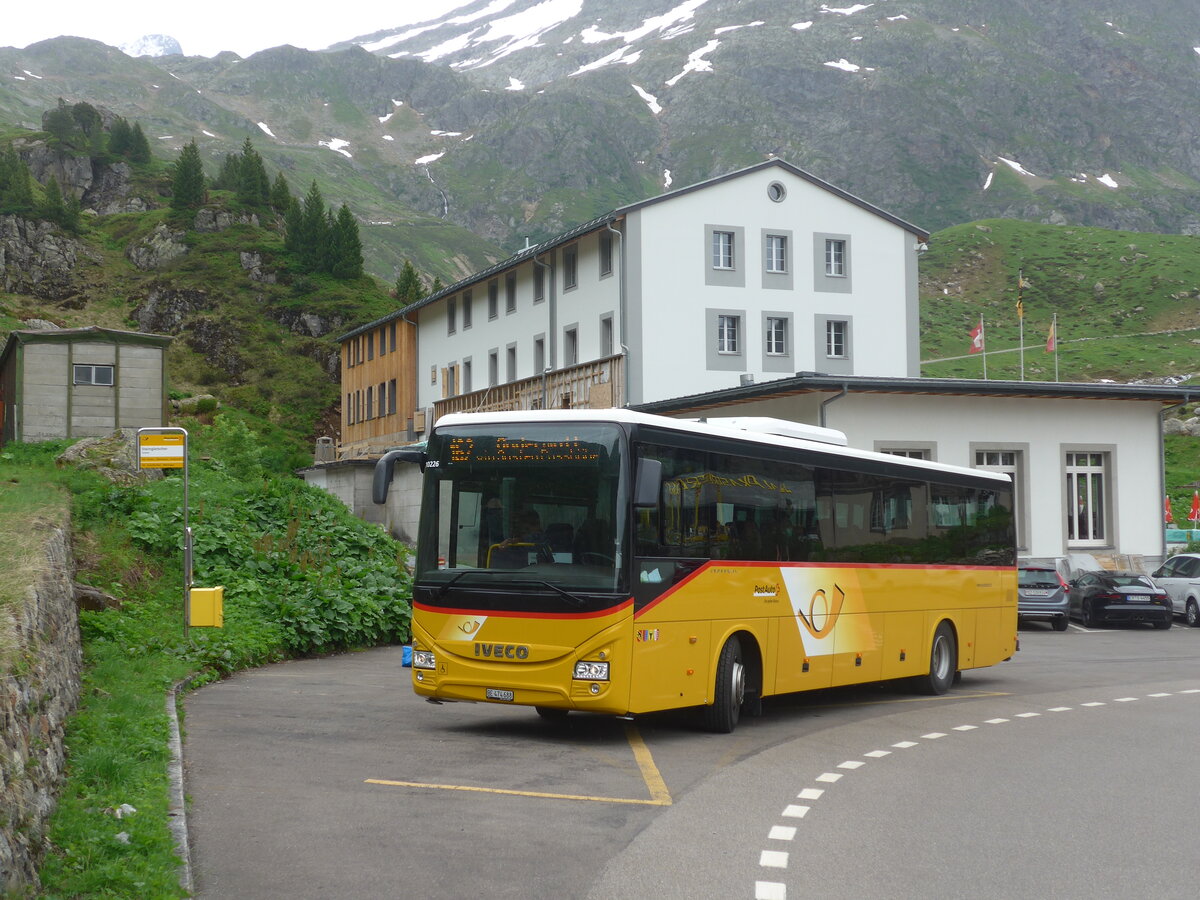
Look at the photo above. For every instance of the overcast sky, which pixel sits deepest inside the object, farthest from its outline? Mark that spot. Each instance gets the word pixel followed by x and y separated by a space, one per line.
pixel 208 27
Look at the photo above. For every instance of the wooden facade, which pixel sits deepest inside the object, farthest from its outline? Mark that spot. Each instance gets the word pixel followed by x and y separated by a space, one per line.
pixel 379 394
pixel 81 382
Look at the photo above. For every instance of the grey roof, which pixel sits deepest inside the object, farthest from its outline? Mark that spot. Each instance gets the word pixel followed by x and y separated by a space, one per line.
pixel 815 382
pixel 601 221
pixel 57 335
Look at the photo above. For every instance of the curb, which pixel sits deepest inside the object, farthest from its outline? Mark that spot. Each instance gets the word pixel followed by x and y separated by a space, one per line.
pixel 177 803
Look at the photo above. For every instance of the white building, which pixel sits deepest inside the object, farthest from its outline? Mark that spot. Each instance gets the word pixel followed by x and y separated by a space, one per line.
pixel 752 275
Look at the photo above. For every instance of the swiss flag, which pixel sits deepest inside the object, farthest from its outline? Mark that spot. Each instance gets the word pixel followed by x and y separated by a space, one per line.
pixel 977 339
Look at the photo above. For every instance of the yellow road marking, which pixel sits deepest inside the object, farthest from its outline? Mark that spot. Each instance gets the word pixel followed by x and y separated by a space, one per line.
pixel 659 795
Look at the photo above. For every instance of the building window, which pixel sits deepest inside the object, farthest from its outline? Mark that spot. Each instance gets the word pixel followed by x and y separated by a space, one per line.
pixel 433 374
pixel 1087 518
pixel 369 337
pixel 493 368
pixel 1006 462
pixel 570 346
pixel 349 410
pixel 493 298
pixel 466 310
pixel 358 416
pixel 606 253
pixel 606 336
pixel 100 375
pixel 722 249
pixel 909 454
pixel 391 395
pixel 776 192
pixel 776 336
pixel 776 253
pixel 539 282
pixel 836 343
pixel 370 403
pixel 835 257
pixel 382 340
pixel 392 336
pixel 451 315
pixel 510 292
pixel 727 333
pixel 570 267
pixel 539 355
pixel 510 363
pixel 466 376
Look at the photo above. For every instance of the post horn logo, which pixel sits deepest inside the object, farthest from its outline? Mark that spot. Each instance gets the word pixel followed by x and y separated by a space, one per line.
pixel 823 612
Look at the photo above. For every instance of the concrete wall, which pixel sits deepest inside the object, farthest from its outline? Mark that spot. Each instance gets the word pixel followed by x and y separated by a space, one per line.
pixel 35 700
pixel 351 480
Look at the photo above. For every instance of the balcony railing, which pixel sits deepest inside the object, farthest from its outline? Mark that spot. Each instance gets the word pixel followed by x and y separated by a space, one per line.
pixel 598 384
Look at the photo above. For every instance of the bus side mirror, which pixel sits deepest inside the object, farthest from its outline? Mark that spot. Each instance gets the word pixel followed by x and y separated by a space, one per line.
pixel 649 484
pixel 386 468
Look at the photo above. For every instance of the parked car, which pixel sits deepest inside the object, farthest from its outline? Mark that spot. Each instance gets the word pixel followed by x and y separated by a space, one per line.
pixel 1179 576
pixel 1042 595
pixel 1104 597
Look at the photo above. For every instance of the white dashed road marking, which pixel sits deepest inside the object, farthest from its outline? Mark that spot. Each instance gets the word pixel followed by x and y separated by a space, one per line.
pixel 776 859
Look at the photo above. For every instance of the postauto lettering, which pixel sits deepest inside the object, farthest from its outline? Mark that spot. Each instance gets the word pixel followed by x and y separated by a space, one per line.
pixel 502 651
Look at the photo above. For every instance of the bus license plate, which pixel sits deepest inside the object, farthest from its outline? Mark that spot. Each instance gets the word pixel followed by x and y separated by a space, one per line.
pixel 497 694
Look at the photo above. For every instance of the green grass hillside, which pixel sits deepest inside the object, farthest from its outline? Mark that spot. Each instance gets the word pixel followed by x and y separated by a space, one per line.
pixel 1128 303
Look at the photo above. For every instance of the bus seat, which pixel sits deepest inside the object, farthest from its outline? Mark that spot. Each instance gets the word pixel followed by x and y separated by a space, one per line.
pixel 560 536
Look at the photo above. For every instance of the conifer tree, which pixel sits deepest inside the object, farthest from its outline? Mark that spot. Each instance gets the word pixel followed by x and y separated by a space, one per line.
pixel 187 183
pixel 281 194
pixel 314 231
pixel 408 285
pixel 293 225
pixel 254 188
pixel 437 285
pixel 16 191
pixel 119 137
pixel 52 208
pixel 346 259
pixel 139 146
pixel 231 173
pixel 60 123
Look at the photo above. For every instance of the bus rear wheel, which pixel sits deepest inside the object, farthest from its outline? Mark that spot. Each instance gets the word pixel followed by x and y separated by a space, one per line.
pixel 943 662
pixel 730 690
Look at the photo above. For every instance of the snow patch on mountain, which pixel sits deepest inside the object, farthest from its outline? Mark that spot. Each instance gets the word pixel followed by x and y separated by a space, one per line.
pixel 153 45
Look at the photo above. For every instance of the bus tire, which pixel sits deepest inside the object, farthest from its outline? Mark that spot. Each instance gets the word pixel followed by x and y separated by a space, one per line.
pixel 551 713
pixel 729 691
pixel 943 662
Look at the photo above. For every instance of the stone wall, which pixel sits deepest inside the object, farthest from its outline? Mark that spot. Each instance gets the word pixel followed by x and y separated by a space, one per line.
pixel 38 690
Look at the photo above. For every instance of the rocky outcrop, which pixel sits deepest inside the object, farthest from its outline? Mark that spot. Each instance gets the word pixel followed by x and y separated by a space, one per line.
pixel 166 310
pixel 37 259
pixel 219 343
pixel 252 263
pixel 309 324
pixel 157 249
pixel 220 219
pixel 35 700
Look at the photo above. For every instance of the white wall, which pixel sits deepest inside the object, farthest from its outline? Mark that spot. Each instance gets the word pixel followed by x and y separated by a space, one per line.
pixel 675 259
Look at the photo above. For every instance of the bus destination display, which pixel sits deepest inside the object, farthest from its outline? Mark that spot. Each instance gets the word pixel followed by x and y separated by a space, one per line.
pixel 521 450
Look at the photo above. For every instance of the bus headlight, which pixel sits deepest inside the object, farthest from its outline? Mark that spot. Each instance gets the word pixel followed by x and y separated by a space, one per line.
pixel 591 671
pixel 423 659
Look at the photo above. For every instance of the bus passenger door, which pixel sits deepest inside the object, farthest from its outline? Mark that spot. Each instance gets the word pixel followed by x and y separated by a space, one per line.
pixel 671 652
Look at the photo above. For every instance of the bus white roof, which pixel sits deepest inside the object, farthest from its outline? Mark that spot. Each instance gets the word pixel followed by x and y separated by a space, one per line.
pixel 756 429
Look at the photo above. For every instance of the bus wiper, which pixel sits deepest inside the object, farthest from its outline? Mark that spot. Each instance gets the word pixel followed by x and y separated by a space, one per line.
pixel 442 591
pixel 578 601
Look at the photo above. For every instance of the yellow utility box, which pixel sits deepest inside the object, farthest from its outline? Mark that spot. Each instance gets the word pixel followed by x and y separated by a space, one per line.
pixel 207 607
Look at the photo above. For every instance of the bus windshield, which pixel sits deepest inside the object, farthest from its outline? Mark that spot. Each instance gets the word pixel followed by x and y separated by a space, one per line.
pixel 530 508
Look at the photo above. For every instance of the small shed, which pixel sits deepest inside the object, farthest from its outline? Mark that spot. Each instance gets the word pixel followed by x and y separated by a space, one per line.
pixel 81 382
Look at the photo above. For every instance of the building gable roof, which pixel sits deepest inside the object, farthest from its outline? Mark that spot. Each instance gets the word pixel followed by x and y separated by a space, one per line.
pixel 90 332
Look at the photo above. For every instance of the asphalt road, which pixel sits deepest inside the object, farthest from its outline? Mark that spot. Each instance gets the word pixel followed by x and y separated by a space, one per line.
pixel 1062 773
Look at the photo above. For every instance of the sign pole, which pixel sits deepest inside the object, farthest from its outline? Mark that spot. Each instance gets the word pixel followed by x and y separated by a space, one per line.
pixel 167 448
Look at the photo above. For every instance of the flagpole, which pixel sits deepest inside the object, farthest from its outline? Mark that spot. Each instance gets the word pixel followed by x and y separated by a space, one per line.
pixel 1055 327
pixel 983 337
pixel 1021 318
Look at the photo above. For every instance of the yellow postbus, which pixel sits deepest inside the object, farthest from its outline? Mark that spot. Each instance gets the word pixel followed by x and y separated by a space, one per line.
pixel 616 562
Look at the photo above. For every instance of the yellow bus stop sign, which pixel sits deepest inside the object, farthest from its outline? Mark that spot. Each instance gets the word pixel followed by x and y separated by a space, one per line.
pixel 161 451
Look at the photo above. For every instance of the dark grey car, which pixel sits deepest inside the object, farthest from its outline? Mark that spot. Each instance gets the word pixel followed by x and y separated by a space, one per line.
pixel 1105 597
pixel 1042 595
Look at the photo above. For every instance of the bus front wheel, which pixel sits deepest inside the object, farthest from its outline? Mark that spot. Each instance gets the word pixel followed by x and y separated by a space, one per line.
pixel 943 662
pixel 730 690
